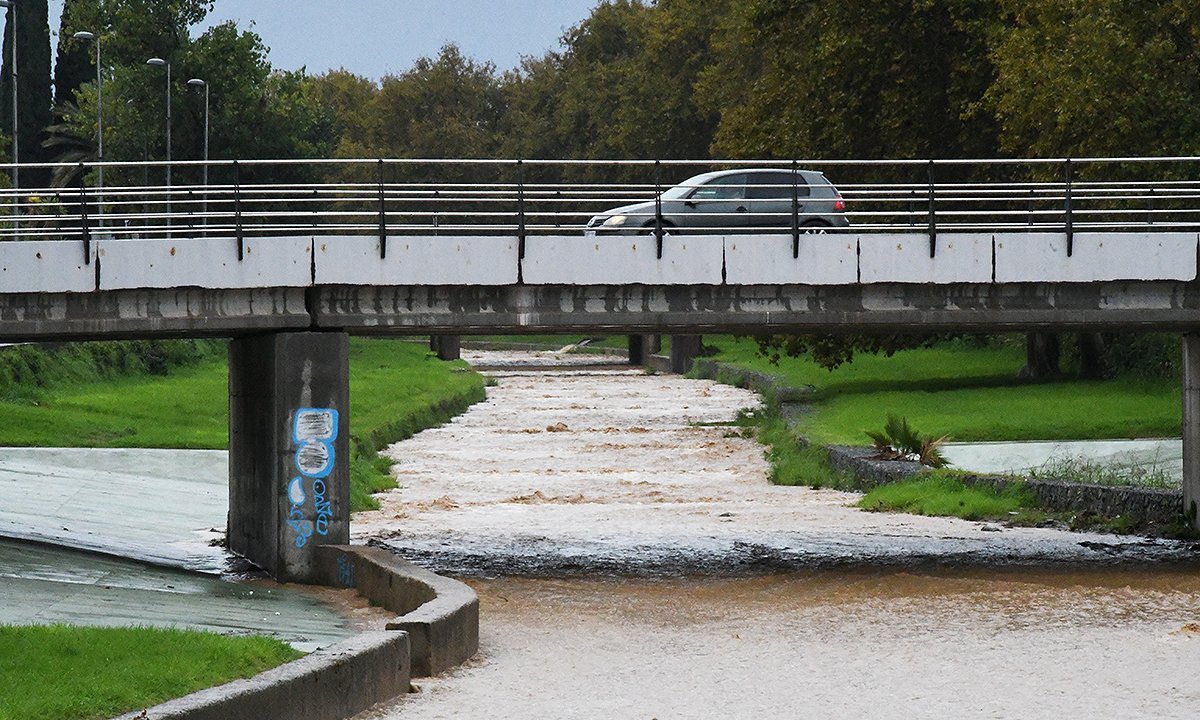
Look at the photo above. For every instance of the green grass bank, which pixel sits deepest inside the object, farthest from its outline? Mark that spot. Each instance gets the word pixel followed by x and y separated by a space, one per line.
pixel 964 390
pixel 104 395
pixel 69 673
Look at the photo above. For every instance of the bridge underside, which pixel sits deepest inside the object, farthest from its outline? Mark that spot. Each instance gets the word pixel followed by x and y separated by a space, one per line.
pixel 466 310
pixel 881 308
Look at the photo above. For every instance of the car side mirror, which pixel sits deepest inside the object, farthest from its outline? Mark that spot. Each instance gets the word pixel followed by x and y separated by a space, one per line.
pixel 690 203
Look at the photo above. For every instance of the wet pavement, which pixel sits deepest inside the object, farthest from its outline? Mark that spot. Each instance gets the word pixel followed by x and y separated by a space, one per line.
pixel 121 537
pixel 161 506
pixel 1165 455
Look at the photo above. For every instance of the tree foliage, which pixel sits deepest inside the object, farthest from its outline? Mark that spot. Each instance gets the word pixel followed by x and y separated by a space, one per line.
pixel 853 78
pixel 29 17
pixel 1097 77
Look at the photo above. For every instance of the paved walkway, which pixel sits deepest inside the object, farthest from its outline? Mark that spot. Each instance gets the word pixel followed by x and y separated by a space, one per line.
pixel 153 515
pixel 1165 455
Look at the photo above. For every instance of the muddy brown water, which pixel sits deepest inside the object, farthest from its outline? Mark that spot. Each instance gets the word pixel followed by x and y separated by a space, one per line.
pixel 832 644
pixel 616 536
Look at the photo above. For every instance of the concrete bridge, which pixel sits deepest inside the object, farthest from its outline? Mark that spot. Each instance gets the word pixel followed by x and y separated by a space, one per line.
pixel 288 259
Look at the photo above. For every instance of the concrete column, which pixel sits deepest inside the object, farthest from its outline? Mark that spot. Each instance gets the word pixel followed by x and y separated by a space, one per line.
pixel 289 449
pixel 447 347
pixel 684 351
pixel 1191 426
pixel 637 349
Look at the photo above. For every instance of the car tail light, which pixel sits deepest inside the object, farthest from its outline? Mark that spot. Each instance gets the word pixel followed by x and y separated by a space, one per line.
pixel 839 205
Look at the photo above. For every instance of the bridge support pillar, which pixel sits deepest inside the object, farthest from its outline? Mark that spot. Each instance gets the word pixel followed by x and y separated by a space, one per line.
pixel 1191 427
pixel 684 351
pixel 637 349
pixel 289 449
pixel 447 347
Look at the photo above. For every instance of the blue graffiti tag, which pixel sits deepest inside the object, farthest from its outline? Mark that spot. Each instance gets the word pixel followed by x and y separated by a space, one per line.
pixel 345 571
pixel 313 431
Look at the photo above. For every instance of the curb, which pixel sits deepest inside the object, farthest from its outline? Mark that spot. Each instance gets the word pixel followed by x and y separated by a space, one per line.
pixel 440 615
pixel 333 683
pixel 437 628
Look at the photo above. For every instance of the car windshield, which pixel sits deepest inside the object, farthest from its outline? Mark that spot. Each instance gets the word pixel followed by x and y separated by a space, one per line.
pixel 679 191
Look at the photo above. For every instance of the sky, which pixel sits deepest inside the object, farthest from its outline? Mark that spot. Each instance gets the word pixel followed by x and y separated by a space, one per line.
pixel 374 38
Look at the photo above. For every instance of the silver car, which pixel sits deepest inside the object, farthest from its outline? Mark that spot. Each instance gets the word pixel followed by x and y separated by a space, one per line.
pixel 735 201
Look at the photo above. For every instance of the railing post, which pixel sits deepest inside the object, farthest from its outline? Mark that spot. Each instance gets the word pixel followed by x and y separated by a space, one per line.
pixel 84 229
pixel 1070 225
pixel 521 209
pixel 237 210
pixel 382 214
pixel 932 213
pixel 795 214
pixel 658 226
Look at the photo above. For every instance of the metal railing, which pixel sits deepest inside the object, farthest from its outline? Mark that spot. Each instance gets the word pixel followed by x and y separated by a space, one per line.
pixel 538 197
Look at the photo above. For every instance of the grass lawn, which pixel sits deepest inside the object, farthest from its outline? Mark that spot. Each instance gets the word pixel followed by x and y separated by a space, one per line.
pixel 396 389
pixel 969 393
pixel 71 673
pixel 944 495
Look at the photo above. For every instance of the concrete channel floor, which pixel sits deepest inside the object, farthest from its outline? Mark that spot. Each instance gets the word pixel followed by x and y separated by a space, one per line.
pixel 121 537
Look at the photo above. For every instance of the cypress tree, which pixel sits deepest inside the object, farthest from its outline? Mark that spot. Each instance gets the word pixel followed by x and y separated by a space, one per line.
pixel 33 83
pixel 75 62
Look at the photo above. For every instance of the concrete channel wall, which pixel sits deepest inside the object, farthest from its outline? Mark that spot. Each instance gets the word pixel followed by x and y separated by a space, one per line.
pixel 440 615
pixel 436 628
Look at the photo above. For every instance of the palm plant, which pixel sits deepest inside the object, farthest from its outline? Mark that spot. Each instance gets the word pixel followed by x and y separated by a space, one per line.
pixel 900 441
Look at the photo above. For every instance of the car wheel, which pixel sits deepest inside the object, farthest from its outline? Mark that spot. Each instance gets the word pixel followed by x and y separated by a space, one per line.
pixel 815 227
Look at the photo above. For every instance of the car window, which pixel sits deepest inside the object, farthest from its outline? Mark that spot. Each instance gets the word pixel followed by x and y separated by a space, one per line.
pixel 775 186
pixel 726 187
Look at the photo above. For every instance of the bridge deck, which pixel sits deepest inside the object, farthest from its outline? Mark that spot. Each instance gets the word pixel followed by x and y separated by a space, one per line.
pixel 714 283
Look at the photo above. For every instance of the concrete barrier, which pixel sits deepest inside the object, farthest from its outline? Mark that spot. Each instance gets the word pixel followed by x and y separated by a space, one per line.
pixel 437 628
pixel 440 615
pixel 330 684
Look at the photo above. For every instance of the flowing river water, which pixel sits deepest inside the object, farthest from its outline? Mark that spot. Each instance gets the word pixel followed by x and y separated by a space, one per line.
pixel 632 561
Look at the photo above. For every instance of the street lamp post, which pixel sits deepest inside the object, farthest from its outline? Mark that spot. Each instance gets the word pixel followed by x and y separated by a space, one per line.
pixel 167 64
pixel 85 35
pixel 197 82
pixel 12 5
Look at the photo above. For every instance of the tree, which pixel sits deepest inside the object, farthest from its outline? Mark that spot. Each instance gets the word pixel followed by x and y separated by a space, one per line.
pixel 30 18
pixel 853 79
pixel 74 63
pixel 253 111
pixel 1097 77
pixel 348 98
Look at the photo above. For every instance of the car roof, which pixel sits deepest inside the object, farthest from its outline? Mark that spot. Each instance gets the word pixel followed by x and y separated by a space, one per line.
pixel 705 177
